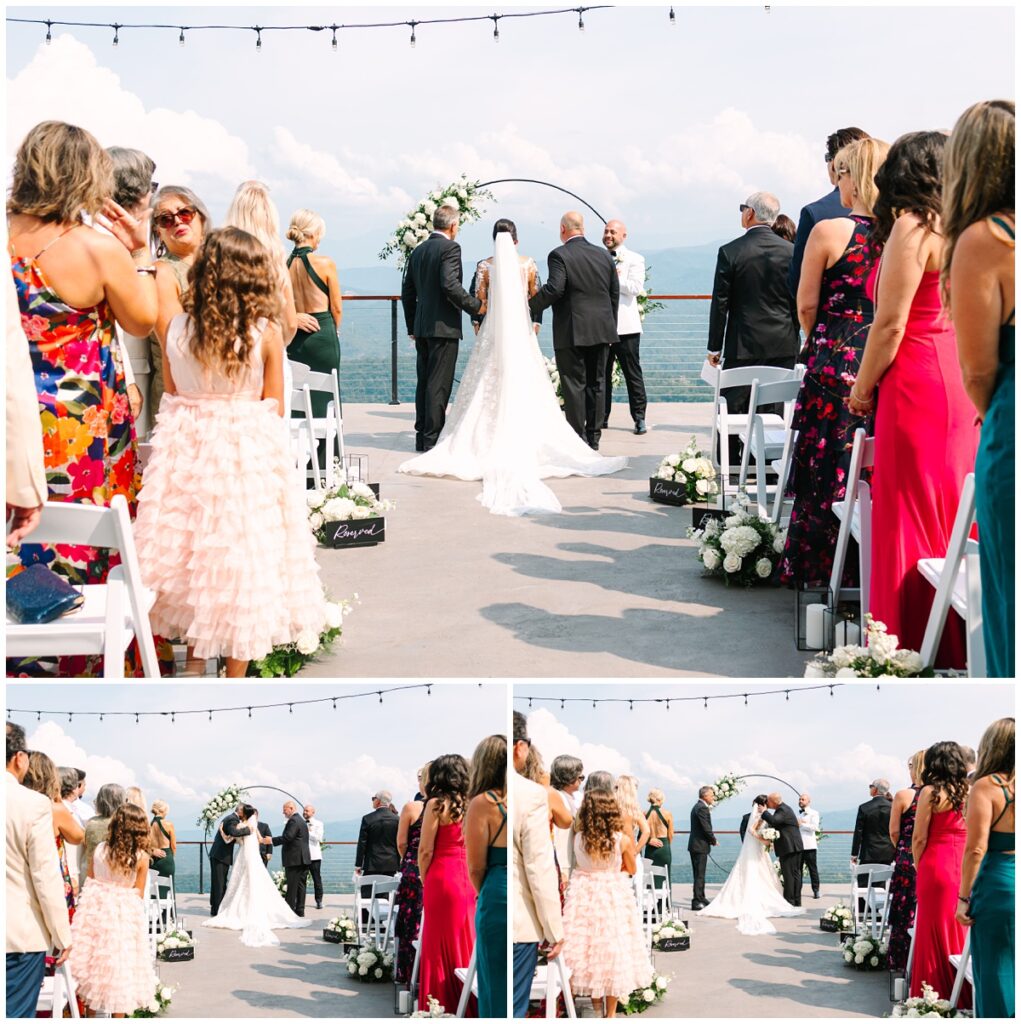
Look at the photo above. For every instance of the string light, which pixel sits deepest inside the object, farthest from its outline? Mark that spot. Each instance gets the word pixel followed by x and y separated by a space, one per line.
pixel 561 705
pixel 705 698
pixel 173 719
pixel 49 33
pixel 180 38
pixel 333 42
pixel 706 705
pixel 116 37
pixel 496 28
pixel 258 39
pixel 673 17
pixel 412 24
pixel 380 696
pixel 290 709
pixel 210 714
pixel 581 19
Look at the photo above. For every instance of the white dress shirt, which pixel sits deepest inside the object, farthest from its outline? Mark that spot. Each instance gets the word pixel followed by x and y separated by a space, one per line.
pixel 808 822
pixel 631 273
pixel 315 838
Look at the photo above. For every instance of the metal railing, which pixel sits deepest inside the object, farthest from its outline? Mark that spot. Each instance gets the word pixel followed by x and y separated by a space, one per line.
pixel 672 352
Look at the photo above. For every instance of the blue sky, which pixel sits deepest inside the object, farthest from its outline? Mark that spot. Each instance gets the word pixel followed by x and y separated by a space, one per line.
pixel 669 128
pixel 832 746
pixel 335 758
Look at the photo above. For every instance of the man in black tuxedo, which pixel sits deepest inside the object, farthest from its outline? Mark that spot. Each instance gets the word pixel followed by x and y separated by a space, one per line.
pixel 265 849
pixel 788 846
pixel 433 297
pixel 871 843
pixel 221 857
pixel 744 825
pixel 377 853
pixel 752 319
pixel 584 291
pixel 827 208
pixel 700 840
pixel 294 856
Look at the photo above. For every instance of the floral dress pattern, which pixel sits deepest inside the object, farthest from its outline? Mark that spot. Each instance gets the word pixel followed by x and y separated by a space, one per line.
pixel 902 891
pixel 822 452
pixel 409 906
pixel 89 444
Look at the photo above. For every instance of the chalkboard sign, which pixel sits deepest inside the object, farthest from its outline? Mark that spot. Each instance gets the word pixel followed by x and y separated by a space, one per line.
pixel 355 533
pixel 667 492
pixel 172 956
pixel 674 945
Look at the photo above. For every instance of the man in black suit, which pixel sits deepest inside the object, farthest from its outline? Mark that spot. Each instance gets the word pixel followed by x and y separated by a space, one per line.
pixel 265 849
pixel 584 291
pixel 752 319
pixel 744 825
pixel 433 297
pixel 700 840
pixel 826 208
pixel 788 846
pixel 377 853
pixel 871 843
pixel 294 857
pixel 221 857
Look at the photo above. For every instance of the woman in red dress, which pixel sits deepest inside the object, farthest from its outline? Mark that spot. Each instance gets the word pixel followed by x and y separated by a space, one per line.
pixel 448 899
pixel 937 846
pixel 926 437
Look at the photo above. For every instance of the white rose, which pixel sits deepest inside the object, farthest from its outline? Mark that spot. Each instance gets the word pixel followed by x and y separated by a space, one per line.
pixel 702 486
pixel 307 642
pixel 166 993
pixel 429 207
pixel 763 568
pixel 315 520
pixel 419 220
pixel 689 465
pixel 421 233
pixel 154 1006
pixel 665 473
pixel 711 559
pixel 351 968
pixel 649 995
pixel 913 1012
pixel 858 958
pixel 672 460
pixel 846 673
pixel 361 490
pixel 778 545
pixel 462 193
pixel 435 196
pixel 732 563
pixel 338 508
pixel 409 239
pixel 378 972
pixel 312 499
pixel 706 466
pixel 361 512
pixel 661 982
pixel 334 616
pixel 874 961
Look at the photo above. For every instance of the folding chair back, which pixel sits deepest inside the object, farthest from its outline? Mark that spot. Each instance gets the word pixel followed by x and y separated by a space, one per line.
pixel 765 440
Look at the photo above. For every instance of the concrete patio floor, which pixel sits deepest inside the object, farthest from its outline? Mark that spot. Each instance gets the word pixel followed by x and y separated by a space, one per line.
pixel 609 587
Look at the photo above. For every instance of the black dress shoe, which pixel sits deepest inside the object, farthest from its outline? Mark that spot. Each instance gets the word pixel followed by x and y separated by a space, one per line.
pixel 640 427
pixel 419 446
pixel 815 895
pixel 319 906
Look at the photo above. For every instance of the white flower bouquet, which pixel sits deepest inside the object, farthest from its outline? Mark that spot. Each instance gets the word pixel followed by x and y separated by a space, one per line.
pixel 280 881
pixel 161 998
pixel 665 934
pixel 345 927
pixel 645 304
pixel 617 378
pixel 864 953
pixel 744 547
pixel 224 801
pixel 692 468
pixel 726 787
pixel 345 501
pixel 174 939
pixel 771 835
pixel 928 1004
pixel 838 918
pixel 414 228
pixel 879 658
pixel 287 660
pixel 436 1009
pixel 642 998
pixel 370 964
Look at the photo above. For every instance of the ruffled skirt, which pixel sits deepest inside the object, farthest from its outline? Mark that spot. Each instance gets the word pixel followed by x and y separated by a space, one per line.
pixel 603 939
pixel 222 530
pixel 110 956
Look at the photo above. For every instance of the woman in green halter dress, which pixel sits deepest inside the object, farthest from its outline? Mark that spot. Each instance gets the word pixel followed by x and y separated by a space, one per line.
pixel 661 833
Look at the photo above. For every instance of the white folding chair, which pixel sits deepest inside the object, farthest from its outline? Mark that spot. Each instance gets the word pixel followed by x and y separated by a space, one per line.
pixel 911 959
pixel 661 893
pixel 770 447
pixel 302 440
pixel 382 913
pixel 328 428
pixel 855 515
pixel 58 992
pixel 381 891
pixel 958 584
pixel 417 946
pixel 962 964
pixel 468 976
pixel 870 902
pixel 552 980
pixel 113 613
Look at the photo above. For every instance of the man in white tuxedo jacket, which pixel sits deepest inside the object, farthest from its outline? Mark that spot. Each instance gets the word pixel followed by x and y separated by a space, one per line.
pixel 536 901
pixel 37 920
pixel 631 273
pixel 808 823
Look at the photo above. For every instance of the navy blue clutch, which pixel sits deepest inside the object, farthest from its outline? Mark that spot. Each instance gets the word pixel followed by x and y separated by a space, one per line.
pixel 38 594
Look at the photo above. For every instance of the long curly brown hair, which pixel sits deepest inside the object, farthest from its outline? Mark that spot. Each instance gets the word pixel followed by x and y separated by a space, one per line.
pixel 599 820
pixel 910 180
pixel 947 773
pixel 448 785
pixel 127 838
pixel 231 286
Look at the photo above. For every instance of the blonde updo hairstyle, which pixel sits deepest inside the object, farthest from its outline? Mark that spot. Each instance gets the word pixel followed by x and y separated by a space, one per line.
pixel 862 158
pixel 306 226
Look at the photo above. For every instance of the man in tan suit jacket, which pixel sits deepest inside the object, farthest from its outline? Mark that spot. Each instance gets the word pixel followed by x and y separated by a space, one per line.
pixel 37 919
pixel 536 907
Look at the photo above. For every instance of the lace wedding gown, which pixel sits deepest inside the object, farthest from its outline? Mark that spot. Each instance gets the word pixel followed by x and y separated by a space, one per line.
pixel 506 427
pixel 252 903
pixel 752 892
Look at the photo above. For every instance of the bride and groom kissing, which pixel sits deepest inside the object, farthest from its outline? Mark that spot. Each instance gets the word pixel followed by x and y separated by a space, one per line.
pixel 506 427
pixel 752 892
pixel 242 895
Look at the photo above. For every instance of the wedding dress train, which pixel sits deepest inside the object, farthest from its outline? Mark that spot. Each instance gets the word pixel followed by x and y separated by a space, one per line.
pixel 252 903
pixel 506 427
pixel 752 892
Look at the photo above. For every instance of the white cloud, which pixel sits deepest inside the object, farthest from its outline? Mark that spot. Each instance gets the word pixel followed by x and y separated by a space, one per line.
pixel 860 765
pixel 65 82
pixel 660 771
pixel 169 785
pixel 551 738
pixel 50 738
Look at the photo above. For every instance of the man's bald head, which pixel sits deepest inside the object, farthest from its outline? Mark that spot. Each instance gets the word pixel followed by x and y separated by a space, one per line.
pixel 614 234
pixel 572 223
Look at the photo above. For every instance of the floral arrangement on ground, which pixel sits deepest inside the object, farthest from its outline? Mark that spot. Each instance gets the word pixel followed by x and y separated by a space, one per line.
pixel 642 998
pixel 160 1001
pixel 226 800
pixel 841 916
pixel 744 547
pixel 174 939
pixel 879 658
pixel 727 786
pixel 436 1009
pixel 928 1004
pixel 692 468
pixel 616 378
pixel 280 881
pixel 414 228
pixel 343 502
pixel 345 927
pixel 286 660
pixel 668 930
pixel 864 953
pixel 370 964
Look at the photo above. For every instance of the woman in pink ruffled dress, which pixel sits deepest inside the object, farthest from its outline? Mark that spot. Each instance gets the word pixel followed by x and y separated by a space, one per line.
pixel 110 956
pixel 222 532
pixel 603 940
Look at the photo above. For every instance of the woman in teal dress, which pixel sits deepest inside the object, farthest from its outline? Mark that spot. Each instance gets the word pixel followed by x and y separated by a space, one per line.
pixel 317 300
pixel 978 280
pixel 163 837
pixel 986 903
pixel 661 834
pixel 486 843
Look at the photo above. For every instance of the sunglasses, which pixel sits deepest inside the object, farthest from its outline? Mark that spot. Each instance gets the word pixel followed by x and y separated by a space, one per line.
pixel 744 207
pixel 167 220
pixel 154 186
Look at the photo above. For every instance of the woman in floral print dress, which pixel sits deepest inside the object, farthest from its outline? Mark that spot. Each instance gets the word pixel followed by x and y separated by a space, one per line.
pixel 902 886
pixel 72 282
pixel 835 314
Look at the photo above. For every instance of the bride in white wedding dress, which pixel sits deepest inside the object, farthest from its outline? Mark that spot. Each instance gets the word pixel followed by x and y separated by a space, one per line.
pixel 506 427
pixel 752 892
pixel 252 903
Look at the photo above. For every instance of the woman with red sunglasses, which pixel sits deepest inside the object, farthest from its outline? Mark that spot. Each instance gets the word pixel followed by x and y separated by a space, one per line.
pixel 180 221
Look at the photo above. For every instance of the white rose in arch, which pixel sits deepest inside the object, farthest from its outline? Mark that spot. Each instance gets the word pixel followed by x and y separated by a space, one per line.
pixel 428 207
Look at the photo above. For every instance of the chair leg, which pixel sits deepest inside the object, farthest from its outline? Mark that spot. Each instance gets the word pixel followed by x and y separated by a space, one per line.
pixel 466 991
pixel 565 987
pixel 113 634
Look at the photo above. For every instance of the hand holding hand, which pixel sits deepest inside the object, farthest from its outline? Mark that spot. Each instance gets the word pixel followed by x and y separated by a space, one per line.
pixel 23 521
pixel 132 232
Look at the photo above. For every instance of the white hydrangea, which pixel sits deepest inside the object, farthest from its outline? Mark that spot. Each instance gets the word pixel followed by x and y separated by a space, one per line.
pixel 428 207
pixel 419 220
pixel 740 540
pixel 409 239
pixel 338 508
pixel 362 971
pixel 352 968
